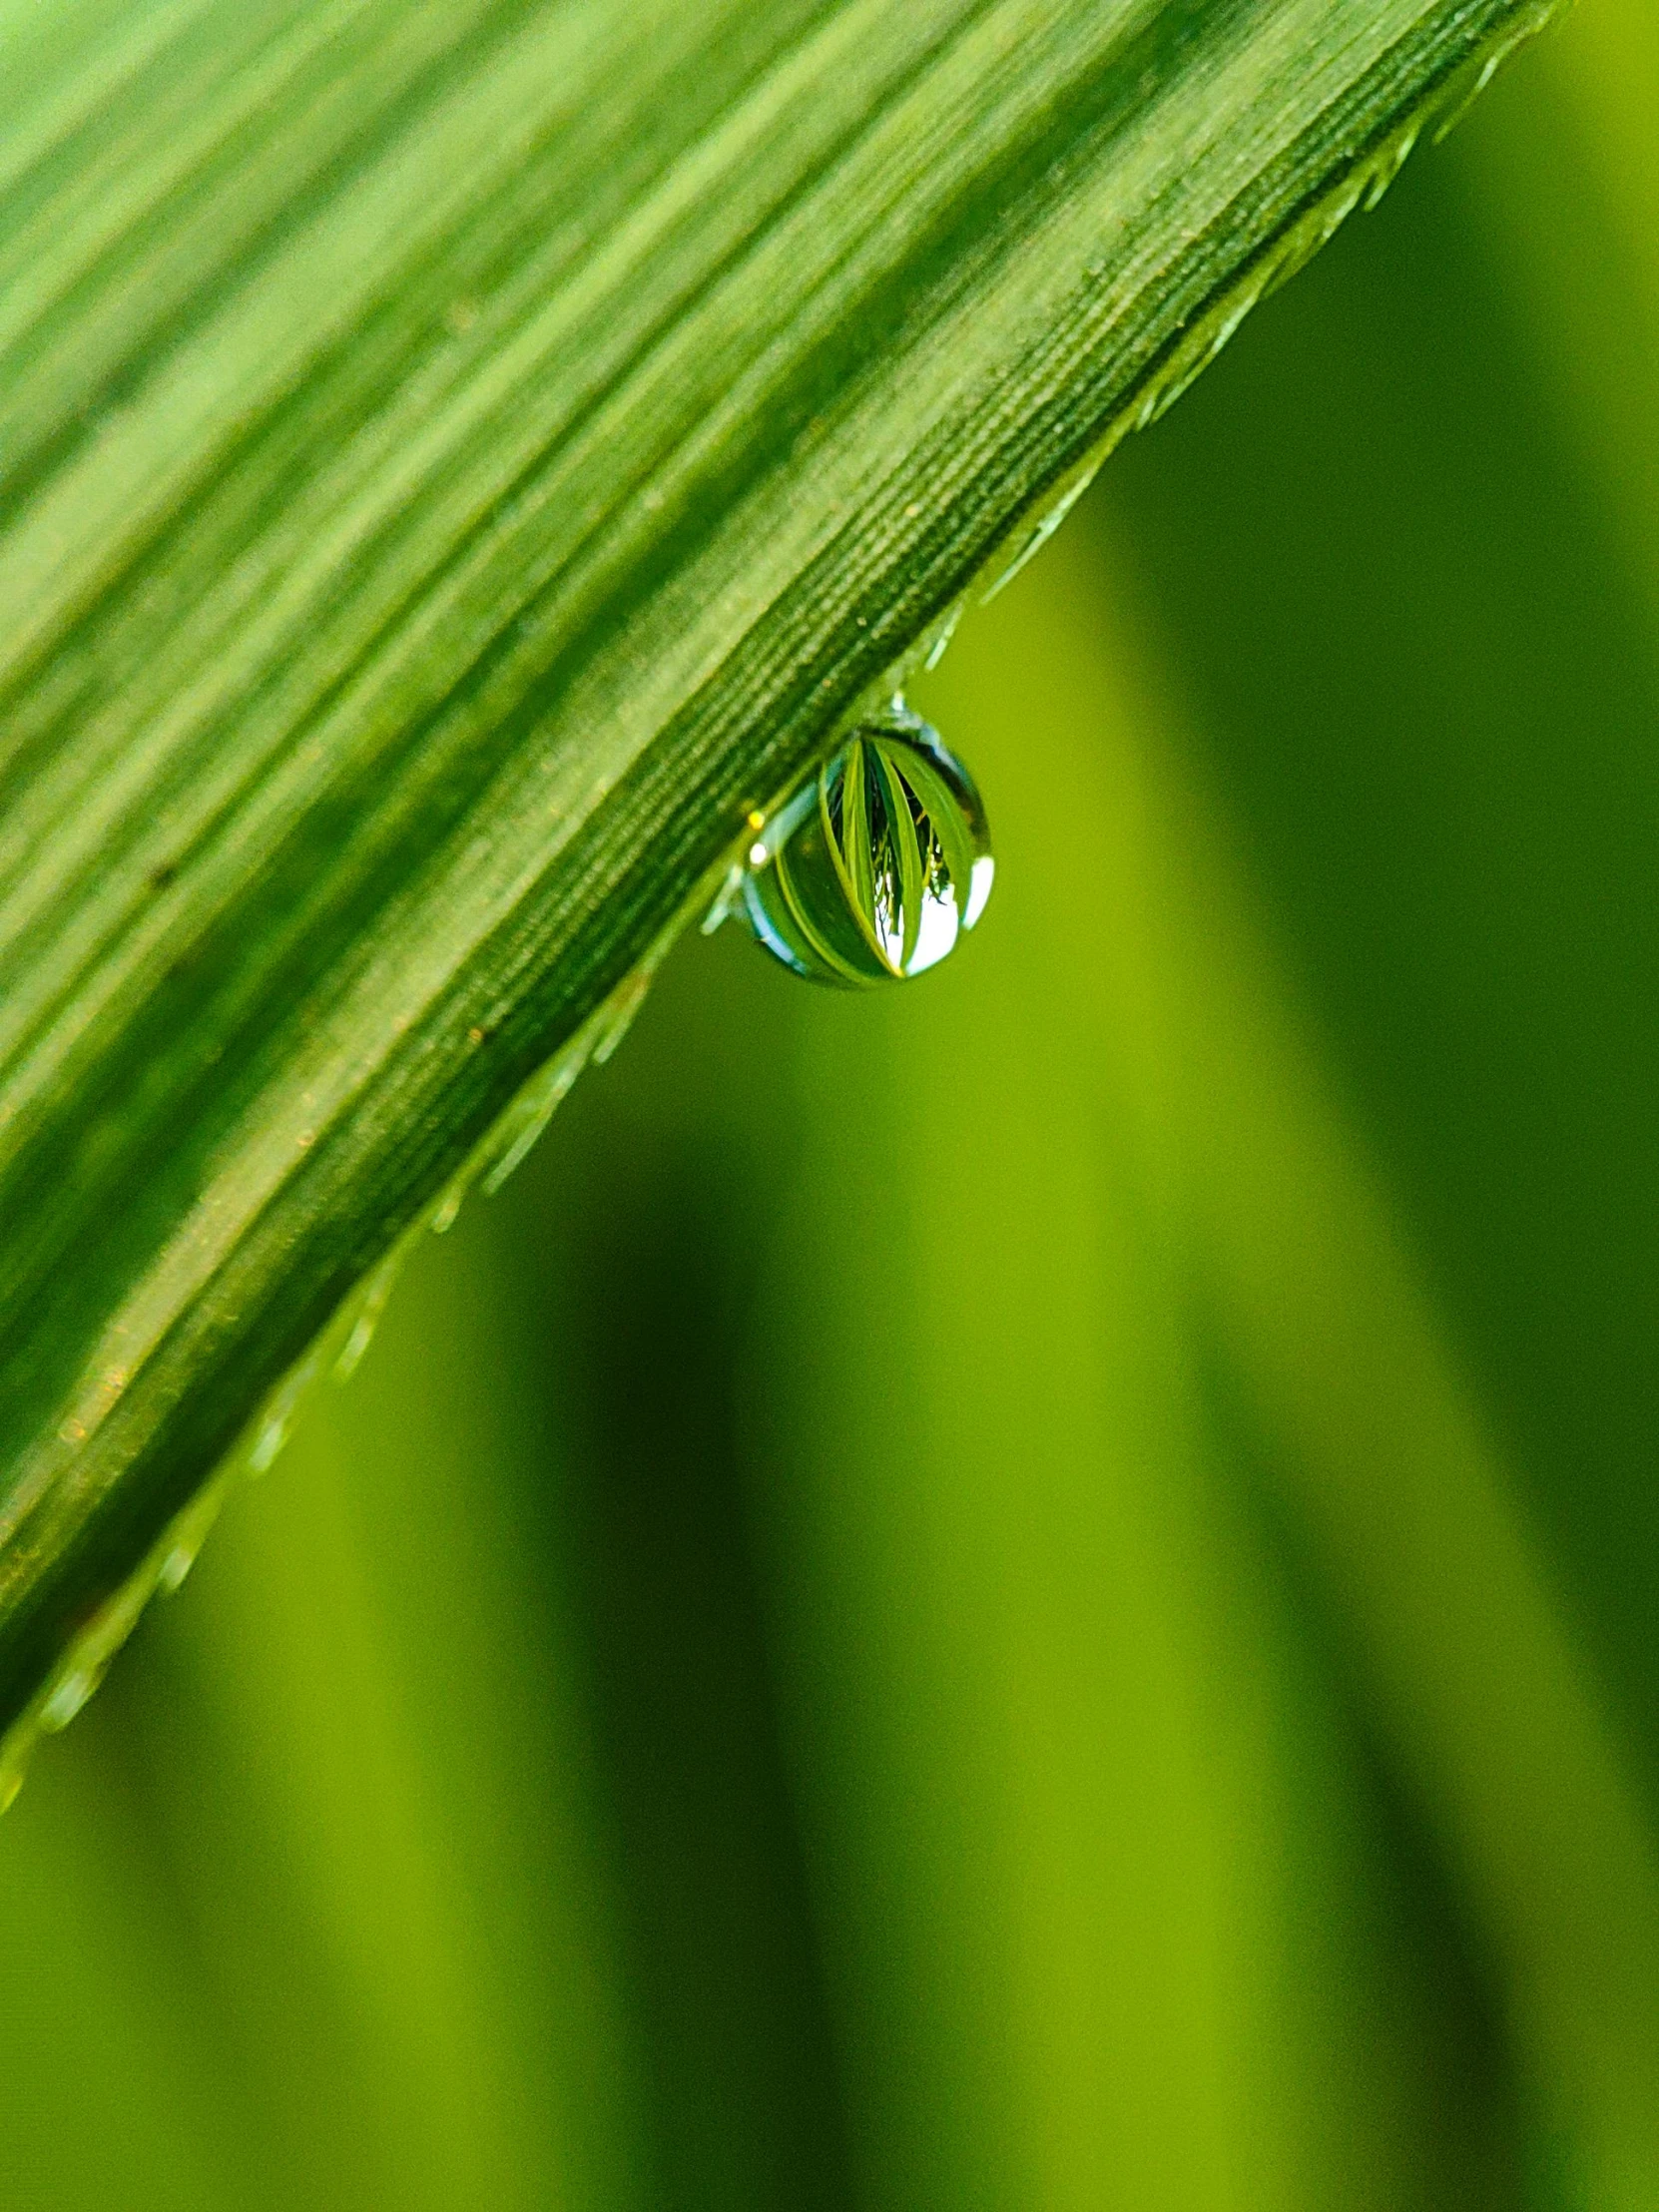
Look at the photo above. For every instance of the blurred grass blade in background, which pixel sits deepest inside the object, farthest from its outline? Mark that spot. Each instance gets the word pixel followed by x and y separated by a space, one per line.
pixel 456 462
pixel 1251 1196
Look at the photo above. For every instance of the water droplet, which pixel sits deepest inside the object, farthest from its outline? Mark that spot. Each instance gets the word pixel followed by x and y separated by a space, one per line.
pixel 874 867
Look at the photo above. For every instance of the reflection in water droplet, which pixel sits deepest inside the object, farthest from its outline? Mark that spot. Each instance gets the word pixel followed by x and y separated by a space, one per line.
pixel 874 867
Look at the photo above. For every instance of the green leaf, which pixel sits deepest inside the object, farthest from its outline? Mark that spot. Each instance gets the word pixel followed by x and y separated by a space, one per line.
pixel 456 464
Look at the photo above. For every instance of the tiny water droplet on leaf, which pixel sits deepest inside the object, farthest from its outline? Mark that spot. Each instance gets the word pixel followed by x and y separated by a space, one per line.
pixel 67 1698
pixel 170 1577
pixel 875 866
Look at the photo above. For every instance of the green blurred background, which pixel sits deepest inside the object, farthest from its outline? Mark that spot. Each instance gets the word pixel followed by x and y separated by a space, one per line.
pixel 1038 1591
